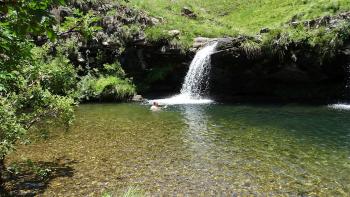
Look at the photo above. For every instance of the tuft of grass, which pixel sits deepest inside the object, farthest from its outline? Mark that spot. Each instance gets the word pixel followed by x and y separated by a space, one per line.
pixel 133 192
pixel 130 192
pixel 251 48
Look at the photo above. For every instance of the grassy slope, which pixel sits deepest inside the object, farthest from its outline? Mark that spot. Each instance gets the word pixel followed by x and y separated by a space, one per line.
pixel 217 18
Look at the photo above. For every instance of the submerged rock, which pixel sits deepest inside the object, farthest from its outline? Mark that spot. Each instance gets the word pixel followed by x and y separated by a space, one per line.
pixel 137 98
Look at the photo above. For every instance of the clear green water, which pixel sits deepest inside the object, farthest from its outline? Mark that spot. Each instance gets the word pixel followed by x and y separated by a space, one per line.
pixel 203 150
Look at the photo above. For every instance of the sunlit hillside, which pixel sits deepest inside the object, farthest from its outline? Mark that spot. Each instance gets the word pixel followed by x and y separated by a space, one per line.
pixel 229 17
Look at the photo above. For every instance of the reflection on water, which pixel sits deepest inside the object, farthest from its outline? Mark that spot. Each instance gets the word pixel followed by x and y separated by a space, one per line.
pixel 201 149
pixel 196 134
pixel 196 119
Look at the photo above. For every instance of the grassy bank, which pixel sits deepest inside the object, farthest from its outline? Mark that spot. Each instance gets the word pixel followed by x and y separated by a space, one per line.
pixel 228 18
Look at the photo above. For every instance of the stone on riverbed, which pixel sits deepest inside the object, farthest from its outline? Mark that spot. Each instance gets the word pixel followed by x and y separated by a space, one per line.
pixel 137 98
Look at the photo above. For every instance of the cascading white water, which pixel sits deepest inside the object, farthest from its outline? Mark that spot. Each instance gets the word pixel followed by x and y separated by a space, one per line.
pixel 196 81
pixel 344 105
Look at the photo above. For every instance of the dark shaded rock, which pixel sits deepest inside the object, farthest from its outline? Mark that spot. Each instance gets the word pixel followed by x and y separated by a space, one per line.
pixel 264 30
pixel 188 13
pixel 298 76
pixel 174 33
pixel 290 73
pixel 156 67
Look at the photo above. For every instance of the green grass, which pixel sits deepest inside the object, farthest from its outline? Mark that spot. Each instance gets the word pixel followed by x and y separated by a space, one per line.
pixel 218 18
pixel 130 192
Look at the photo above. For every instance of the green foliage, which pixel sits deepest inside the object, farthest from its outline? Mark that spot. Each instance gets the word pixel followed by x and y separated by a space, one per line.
pixel 56 74
pixel 108 88
pixel 29 167
pixel 114 69
pixel 29 16
pixel 11 128
pixel 322 41
pixel 85 24
pixel 29 80
pixel 21 112
pixel 37 170
pixel 329 41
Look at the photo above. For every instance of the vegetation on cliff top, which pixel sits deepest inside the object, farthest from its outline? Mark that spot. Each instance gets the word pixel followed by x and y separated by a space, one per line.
pixel 221 18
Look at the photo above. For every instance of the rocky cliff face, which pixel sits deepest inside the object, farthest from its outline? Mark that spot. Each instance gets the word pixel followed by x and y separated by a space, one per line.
pixel 298 76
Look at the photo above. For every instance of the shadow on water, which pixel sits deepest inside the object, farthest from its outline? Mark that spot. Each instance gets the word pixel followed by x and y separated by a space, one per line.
pixel 33 178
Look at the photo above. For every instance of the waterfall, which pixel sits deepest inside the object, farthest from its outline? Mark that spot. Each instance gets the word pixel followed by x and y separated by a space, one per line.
pixel 196 81
pixel 197 78
pixel 345 105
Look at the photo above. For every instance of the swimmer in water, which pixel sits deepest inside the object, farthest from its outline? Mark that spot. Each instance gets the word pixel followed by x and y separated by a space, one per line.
pixel 155 107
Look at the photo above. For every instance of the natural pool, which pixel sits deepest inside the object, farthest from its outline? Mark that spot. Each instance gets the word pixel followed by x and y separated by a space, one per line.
pixel 200 149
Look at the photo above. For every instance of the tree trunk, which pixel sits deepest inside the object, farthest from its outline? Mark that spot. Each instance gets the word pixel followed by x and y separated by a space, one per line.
pixel 2 170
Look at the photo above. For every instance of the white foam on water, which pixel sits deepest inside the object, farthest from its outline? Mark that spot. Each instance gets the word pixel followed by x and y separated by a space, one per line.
pixel 181 99
pixel 340 106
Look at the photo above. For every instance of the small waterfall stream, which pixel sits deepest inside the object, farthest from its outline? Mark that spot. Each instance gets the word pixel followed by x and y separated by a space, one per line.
pixel 196 81
pixel 197 78
pixel 344 105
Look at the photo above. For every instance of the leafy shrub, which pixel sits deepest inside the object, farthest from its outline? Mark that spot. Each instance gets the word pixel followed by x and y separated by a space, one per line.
pixel 114 69
pixel 59 76
pixel 82 23
pixel 55 74
pixel 11 128
pixel 108 88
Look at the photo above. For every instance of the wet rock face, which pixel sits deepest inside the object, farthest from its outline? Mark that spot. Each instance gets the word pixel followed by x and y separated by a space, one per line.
pixel 156 68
